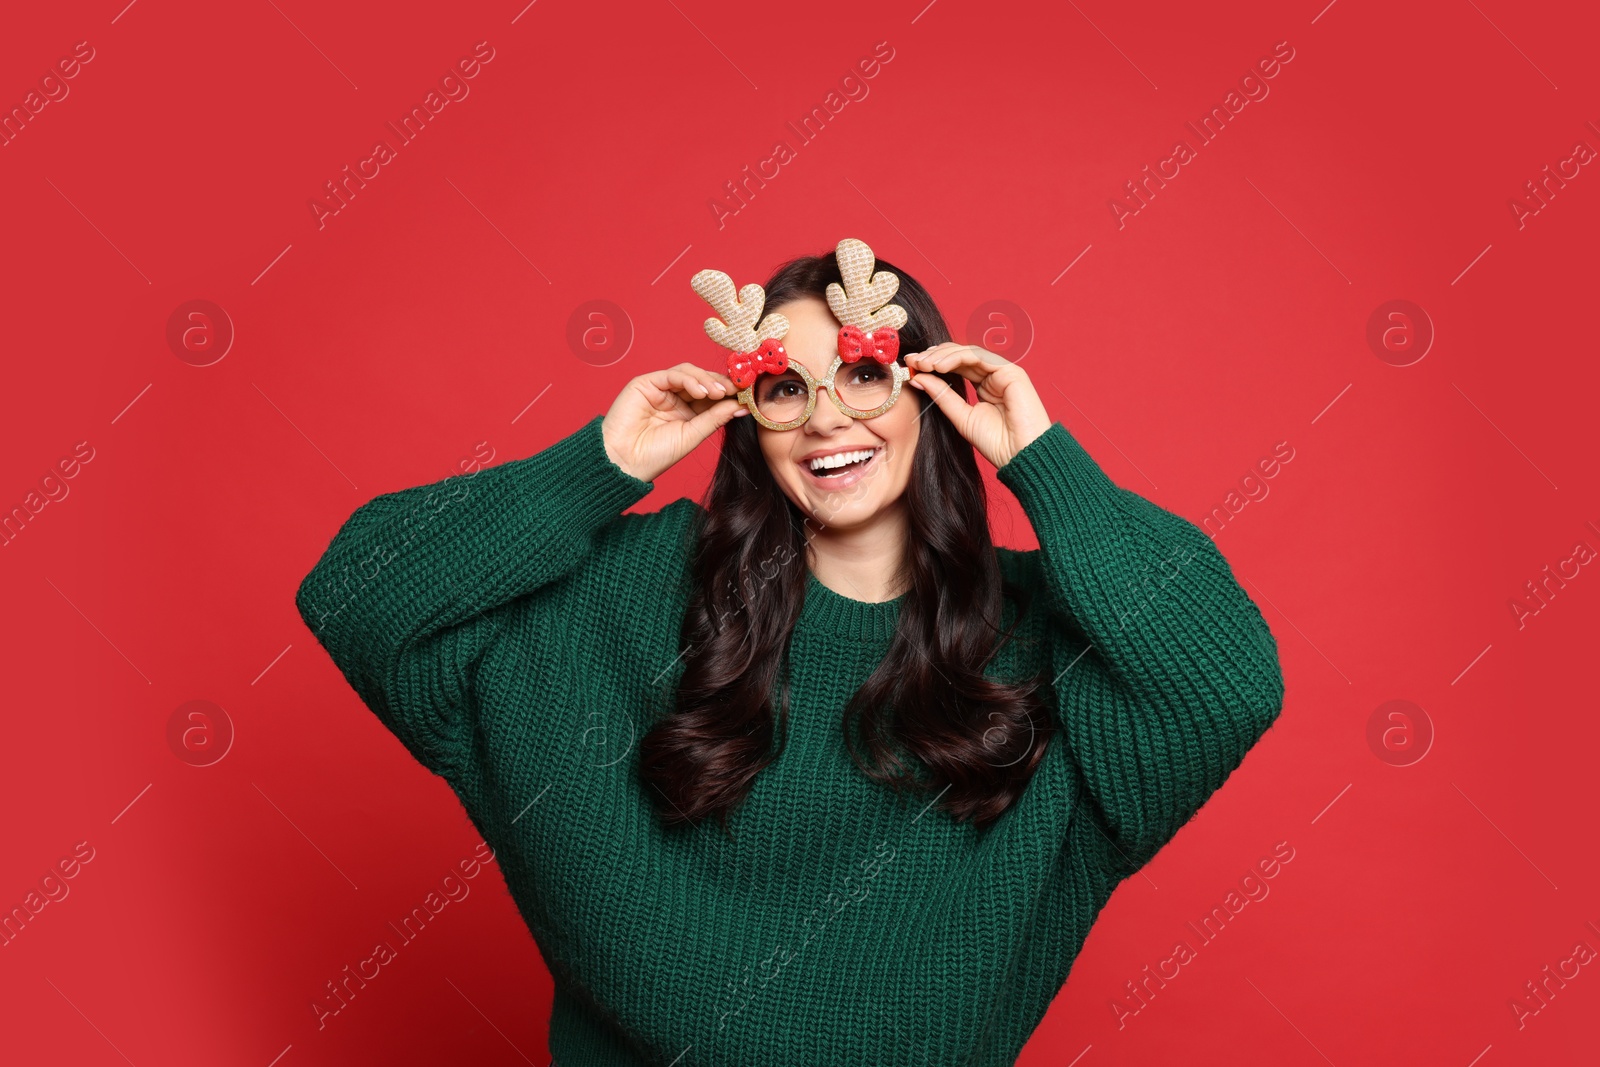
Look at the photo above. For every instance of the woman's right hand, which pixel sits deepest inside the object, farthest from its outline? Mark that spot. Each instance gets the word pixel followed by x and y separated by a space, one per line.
pixel 660 417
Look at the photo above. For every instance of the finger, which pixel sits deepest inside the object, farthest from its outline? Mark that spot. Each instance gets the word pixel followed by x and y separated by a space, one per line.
pixel 933 357
pixel 687 380
pixel 666 380
pixel 927 355
pixel 657 390
pixel 690 384
pixel 690 379
pixel 966 364
pixel 939 363
pixel 987 375
pixel 706 423
pixel 968 355
pixel 716 384
pixel 698 405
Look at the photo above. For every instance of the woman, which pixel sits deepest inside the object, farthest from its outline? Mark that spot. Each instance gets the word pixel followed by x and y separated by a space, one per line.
pixel 813 773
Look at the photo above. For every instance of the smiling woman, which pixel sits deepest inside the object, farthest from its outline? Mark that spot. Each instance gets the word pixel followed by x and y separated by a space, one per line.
pixel 828 658
pixel 837 450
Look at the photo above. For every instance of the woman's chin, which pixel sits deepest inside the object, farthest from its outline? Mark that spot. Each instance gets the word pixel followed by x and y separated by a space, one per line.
pixel 831 512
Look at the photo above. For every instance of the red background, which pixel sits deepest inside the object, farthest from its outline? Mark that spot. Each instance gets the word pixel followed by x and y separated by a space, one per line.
pixel 377 351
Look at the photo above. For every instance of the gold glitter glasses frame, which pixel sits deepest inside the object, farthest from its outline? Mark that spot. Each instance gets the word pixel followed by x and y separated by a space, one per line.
pixel 747 395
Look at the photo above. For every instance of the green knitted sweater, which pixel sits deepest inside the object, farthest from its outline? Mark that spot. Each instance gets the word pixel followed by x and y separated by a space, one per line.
pixel 519 633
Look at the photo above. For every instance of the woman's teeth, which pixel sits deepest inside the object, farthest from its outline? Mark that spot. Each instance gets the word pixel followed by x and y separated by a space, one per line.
pixel 841 459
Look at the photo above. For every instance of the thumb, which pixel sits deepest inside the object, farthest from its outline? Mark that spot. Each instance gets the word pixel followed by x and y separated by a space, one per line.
pixel 952 402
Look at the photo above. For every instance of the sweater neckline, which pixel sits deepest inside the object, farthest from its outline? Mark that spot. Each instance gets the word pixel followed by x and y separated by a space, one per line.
pixel 826 611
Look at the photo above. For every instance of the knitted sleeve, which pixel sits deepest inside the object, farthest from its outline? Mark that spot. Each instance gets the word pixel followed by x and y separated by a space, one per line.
pixel 1165 671
pixel 404 598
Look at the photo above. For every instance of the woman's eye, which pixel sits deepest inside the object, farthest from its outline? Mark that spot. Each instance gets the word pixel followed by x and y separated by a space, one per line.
pixel 783 389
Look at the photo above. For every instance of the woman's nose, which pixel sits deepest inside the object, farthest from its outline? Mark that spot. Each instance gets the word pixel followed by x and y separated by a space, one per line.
pixel 826 414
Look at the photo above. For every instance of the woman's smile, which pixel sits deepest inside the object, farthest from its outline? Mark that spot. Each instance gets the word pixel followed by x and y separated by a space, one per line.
pixel 844 465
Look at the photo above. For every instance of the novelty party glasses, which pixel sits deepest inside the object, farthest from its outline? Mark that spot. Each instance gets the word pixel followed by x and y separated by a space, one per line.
pixel 864 379
pixel 862 390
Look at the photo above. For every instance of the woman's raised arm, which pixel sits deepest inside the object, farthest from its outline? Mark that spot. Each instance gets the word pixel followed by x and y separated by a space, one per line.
pixel 404 597
pixel 1165 671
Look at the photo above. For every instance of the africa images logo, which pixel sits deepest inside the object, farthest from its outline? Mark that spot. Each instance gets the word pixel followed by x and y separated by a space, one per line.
pixel 452 84
pixel 1253 84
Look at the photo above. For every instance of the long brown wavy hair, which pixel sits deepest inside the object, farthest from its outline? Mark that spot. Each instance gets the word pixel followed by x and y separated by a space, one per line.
pixel 974 739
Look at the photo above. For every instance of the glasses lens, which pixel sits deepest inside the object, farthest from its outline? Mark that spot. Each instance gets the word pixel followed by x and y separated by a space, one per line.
pixel 864 385
pixel 780 397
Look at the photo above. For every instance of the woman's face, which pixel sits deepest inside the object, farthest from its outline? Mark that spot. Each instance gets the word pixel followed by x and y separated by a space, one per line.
pixel 851 495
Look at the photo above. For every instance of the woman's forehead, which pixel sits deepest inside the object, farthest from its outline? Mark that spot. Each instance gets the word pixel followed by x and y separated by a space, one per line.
pixel 813 337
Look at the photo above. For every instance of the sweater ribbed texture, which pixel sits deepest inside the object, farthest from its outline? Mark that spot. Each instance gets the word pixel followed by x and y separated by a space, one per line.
pixel 518 631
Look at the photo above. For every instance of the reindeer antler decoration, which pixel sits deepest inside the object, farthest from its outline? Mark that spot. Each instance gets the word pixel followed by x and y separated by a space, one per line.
pixel 870 323
pixel 869 326
pixel 753 347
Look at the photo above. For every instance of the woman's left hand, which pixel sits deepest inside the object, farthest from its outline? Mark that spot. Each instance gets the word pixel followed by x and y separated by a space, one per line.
pixel 1008 414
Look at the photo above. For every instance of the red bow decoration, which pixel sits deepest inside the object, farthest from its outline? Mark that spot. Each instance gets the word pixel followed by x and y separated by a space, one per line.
pixel 881 344
pixel 770 358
